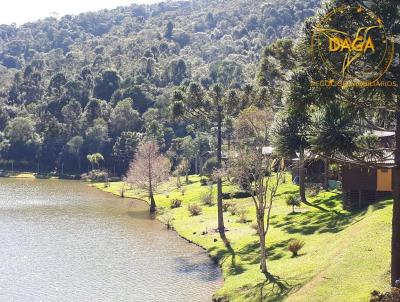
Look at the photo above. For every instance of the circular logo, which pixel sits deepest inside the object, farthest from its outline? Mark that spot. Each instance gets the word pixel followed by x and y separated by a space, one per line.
pixel 353 44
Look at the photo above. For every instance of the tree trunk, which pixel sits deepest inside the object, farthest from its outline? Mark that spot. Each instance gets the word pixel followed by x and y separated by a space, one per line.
pixel 263 250
pixel 153 206
pixel 79 164
pixel 221 227
pixel 395 266
pixel 187 172
pixel 302 177
pixel 326 171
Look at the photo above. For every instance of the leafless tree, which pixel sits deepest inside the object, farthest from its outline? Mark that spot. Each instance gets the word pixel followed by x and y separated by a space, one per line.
pixel 259 173
pixel 148 170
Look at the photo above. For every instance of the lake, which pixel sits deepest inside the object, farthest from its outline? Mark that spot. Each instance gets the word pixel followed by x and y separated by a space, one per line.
pixel 65 241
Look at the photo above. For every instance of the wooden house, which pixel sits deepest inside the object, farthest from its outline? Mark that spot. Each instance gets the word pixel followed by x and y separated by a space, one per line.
pixel 363 185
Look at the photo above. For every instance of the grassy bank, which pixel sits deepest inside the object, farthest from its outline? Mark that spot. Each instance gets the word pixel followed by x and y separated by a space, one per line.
pixel 346 255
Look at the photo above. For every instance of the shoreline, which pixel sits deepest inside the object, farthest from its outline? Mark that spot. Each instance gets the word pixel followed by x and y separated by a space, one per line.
pixel 215 260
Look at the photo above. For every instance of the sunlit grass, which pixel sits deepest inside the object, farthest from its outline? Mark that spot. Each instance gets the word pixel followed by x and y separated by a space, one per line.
pixel 346 255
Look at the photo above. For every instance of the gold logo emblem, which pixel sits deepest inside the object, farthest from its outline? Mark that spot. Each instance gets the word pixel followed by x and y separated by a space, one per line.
pixel 353 44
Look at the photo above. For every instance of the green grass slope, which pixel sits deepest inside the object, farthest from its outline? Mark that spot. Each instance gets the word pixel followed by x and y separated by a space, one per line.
pixel 345 257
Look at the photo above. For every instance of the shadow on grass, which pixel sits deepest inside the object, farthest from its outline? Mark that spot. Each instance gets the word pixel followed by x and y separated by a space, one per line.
pixel 251 252
pixel 273 288
pixel 323 219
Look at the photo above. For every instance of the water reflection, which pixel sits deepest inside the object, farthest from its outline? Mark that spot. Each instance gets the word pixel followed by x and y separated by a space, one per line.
pixel 63 241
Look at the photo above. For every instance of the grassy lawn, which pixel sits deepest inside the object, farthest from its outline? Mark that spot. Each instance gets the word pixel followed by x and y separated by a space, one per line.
pixel 345 257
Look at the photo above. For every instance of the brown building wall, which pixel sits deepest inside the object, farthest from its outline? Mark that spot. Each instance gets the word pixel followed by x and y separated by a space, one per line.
pixel 359 178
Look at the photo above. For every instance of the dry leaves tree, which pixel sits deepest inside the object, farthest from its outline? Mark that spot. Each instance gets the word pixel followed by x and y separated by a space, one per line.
pixel 148 170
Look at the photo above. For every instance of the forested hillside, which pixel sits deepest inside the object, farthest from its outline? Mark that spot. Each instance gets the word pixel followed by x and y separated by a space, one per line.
pixel 99 82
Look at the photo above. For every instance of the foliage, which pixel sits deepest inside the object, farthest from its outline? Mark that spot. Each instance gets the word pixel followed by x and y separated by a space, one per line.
pixel 392 296
pixel 294 246
pixel 195 209
pixel 95 175
pixel 175 203
pixel 207 198
pixel 293 200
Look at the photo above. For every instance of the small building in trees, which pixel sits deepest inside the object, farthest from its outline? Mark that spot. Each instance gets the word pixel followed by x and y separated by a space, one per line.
pixel 363 185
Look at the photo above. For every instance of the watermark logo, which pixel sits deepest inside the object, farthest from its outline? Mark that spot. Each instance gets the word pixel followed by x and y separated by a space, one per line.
pixel 352 42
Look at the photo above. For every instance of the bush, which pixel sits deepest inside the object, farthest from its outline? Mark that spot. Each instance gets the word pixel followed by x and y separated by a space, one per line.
pixel 295 246
pixel 313 190
pixel 195 209
pixel 242 215
pixel 225 205
pixel 207 199
pixel 168 221
pixel 233 209
pixel 210 165
pixel 204 181
pixel 393 296
pixel 183 190
pixel 175 203
pixel 293 201
pixel 95 175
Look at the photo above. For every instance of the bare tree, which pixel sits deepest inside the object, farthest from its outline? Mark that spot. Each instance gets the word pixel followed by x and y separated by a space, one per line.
pixel 257 172
pixel 148 170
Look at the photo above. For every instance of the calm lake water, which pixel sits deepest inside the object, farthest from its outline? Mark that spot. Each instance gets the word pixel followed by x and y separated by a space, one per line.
pixel 64 241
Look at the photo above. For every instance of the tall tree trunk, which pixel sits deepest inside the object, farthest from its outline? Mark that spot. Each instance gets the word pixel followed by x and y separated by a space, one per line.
pixel 263 250
pixel 302 177
pixel 326 171
pixel 395 266
pixel 187 172
pixel 153 206
pixel 221 226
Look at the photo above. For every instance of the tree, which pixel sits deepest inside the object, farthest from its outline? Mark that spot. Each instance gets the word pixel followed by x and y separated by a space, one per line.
pixel 106 85
pixel 371 108
pixel 148 170
pixel 74 147
pixel 95 159
pixel 169 30
pixel 189 151
pixel 124 118
pixel 290 139
pixel 97 136
pixel 258 174
pixel 211 109
pixel 21 140
pixel 293 201
pixel 125 148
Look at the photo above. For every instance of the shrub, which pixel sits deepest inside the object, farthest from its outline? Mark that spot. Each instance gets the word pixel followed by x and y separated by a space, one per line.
pixel 392 296
pixel 225 205
pixel 95 176
pixel 242 212
pixel 207 199
pixel 183 190
pixel 313 190
pixel 210 165
pixel 203 181
pixel 168 221
pixel 295 246
pixel 195 209
pixel 254 226
pixel 233 209
pixel 175 203
pixel 293 201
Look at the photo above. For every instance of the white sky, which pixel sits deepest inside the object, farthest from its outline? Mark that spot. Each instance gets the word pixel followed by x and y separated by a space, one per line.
pixel 21 11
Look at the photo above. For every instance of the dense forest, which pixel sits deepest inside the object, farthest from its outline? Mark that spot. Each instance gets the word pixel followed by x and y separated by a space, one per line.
pixel 102 82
